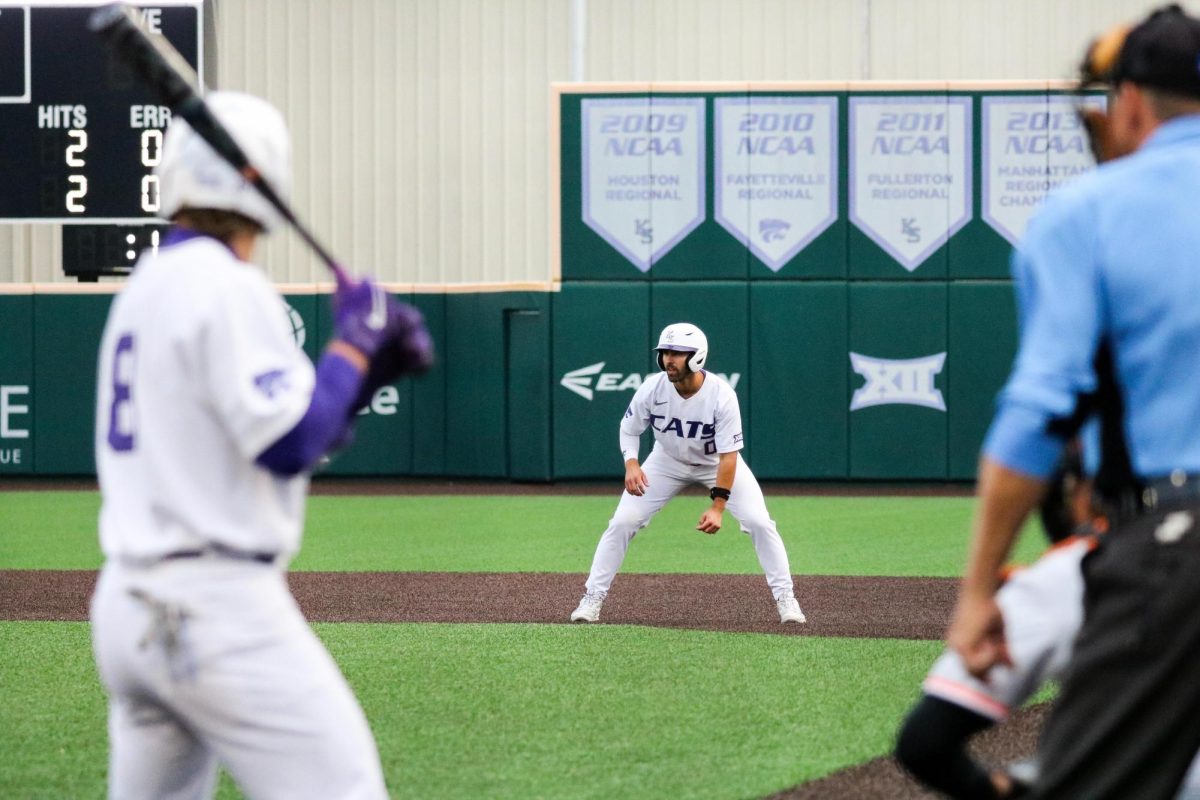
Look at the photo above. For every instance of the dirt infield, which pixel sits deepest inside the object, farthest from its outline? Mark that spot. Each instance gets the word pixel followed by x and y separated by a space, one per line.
pixel 897 608
pixel 904 608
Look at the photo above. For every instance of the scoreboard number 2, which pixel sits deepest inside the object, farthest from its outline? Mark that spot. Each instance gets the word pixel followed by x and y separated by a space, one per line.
pixel 75 150
pixel 79 184
pixel 76 194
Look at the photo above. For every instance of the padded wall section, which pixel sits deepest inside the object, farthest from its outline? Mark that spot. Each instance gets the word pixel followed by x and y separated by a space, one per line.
pixel 429 393
pixel 477 366
pixel 800 391
pixel 16 385
pixel 983 344
pixel 528 394
pixel 898 344
pixel 66 338
pixel 601 355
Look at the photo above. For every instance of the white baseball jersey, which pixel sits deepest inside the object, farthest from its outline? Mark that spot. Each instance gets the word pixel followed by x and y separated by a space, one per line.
pixel 198 374
pixel 694 430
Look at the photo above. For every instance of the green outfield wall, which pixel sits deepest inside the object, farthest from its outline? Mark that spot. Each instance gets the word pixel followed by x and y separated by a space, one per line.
pixel 531 385
pixel 845 247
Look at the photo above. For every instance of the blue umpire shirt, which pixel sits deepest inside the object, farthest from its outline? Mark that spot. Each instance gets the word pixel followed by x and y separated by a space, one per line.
pixel 1114 255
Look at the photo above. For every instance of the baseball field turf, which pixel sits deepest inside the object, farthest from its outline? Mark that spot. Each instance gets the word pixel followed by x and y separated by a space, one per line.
pixel 471 708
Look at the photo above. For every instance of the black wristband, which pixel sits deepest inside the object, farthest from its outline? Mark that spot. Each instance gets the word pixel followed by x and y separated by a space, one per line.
pixel 718 491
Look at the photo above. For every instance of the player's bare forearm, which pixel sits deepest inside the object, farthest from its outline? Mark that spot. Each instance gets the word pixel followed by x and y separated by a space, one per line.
pixel 726 470
pixel 1005 500
pixel 711 519
pixel 635 479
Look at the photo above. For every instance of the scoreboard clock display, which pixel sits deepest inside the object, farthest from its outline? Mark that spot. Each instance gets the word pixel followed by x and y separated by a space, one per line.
pixel 79 135
pixel 89 251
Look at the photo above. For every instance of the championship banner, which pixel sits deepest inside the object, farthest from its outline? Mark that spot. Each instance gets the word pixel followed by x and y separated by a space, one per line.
pixel 775 172
pixel 643 172
pixel 910 172
pixel 1032 144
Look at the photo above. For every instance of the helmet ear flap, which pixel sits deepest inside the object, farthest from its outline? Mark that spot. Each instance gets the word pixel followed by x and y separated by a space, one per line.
pixel 695 361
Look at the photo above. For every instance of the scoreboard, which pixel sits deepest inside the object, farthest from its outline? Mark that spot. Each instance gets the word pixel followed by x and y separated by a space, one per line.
pixel 79 134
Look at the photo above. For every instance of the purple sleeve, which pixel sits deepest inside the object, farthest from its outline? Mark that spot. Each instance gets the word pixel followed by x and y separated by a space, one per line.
pixel 323 424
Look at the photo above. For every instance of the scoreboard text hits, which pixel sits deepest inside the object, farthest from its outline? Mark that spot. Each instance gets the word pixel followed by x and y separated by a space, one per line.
pixel 79 135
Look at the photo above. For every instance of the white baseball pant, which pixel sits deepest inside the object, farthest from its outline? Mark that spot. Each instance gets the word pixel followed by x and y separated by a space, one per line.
pixel 666 477
pixel 209 660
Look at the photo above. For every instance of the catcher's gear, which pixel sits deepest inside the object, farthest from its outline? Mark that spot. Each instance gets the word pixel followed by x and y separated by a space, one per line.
pixel 192 175
pixel 1097 69
pixel 1103 144
pixel 1160 52
pixel 1059 508
pixel 683 337
pixel 1100 60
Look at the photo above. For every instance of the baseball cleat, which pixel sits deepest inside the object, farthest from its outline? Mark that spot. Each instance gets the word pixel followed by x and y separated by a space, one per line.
pixel 789 609
pixel 589 608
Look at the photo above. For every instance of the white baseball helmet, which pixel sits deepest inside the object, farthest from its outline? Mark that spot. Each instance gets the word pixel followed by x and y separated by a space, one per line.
pixel 685 337
pixel 192 175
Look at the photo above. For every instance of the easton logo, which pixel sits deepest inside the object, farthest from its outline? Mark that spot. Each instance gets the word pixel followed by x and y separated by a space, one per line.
pixel 580 381
pixel 898 381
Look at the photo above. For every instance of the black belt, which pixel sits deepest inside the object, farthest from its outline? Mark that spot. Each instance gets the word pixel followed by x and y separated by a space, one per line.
pixel 1175 491
pixel 225 551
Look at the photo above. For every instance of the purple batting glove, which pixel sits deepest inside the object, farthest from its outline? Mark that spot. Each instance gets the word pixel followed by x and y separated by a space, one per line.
pixel 407 351
pixel 362 312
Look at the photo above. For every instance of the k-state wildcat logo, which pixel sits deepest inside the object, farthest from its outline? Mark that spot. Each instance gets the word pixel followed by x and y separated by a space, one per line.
pixel 907 381
pixel 580 380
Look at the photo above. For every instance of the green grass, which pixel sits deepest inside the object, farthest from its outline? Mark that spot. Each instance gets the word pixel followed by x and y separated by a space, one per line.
pixel 522 711
pixel 52 718
pixel 913 536
pixel 525 711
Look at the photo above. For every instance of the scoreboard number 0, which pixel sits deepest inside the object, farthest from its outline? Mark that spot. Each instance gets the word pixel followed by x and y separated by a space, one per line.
pixel 150 193
pixel 152 139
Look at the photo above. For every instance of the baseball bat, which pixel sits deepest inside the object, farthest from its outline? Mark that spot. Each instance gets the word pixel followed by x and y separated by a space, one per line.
pixel 159 65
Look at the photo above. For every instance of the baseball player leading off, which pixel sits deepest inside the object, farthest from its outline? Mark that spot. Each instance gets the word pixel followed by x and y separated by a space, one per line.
pixel 697 428
pixel 208 420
